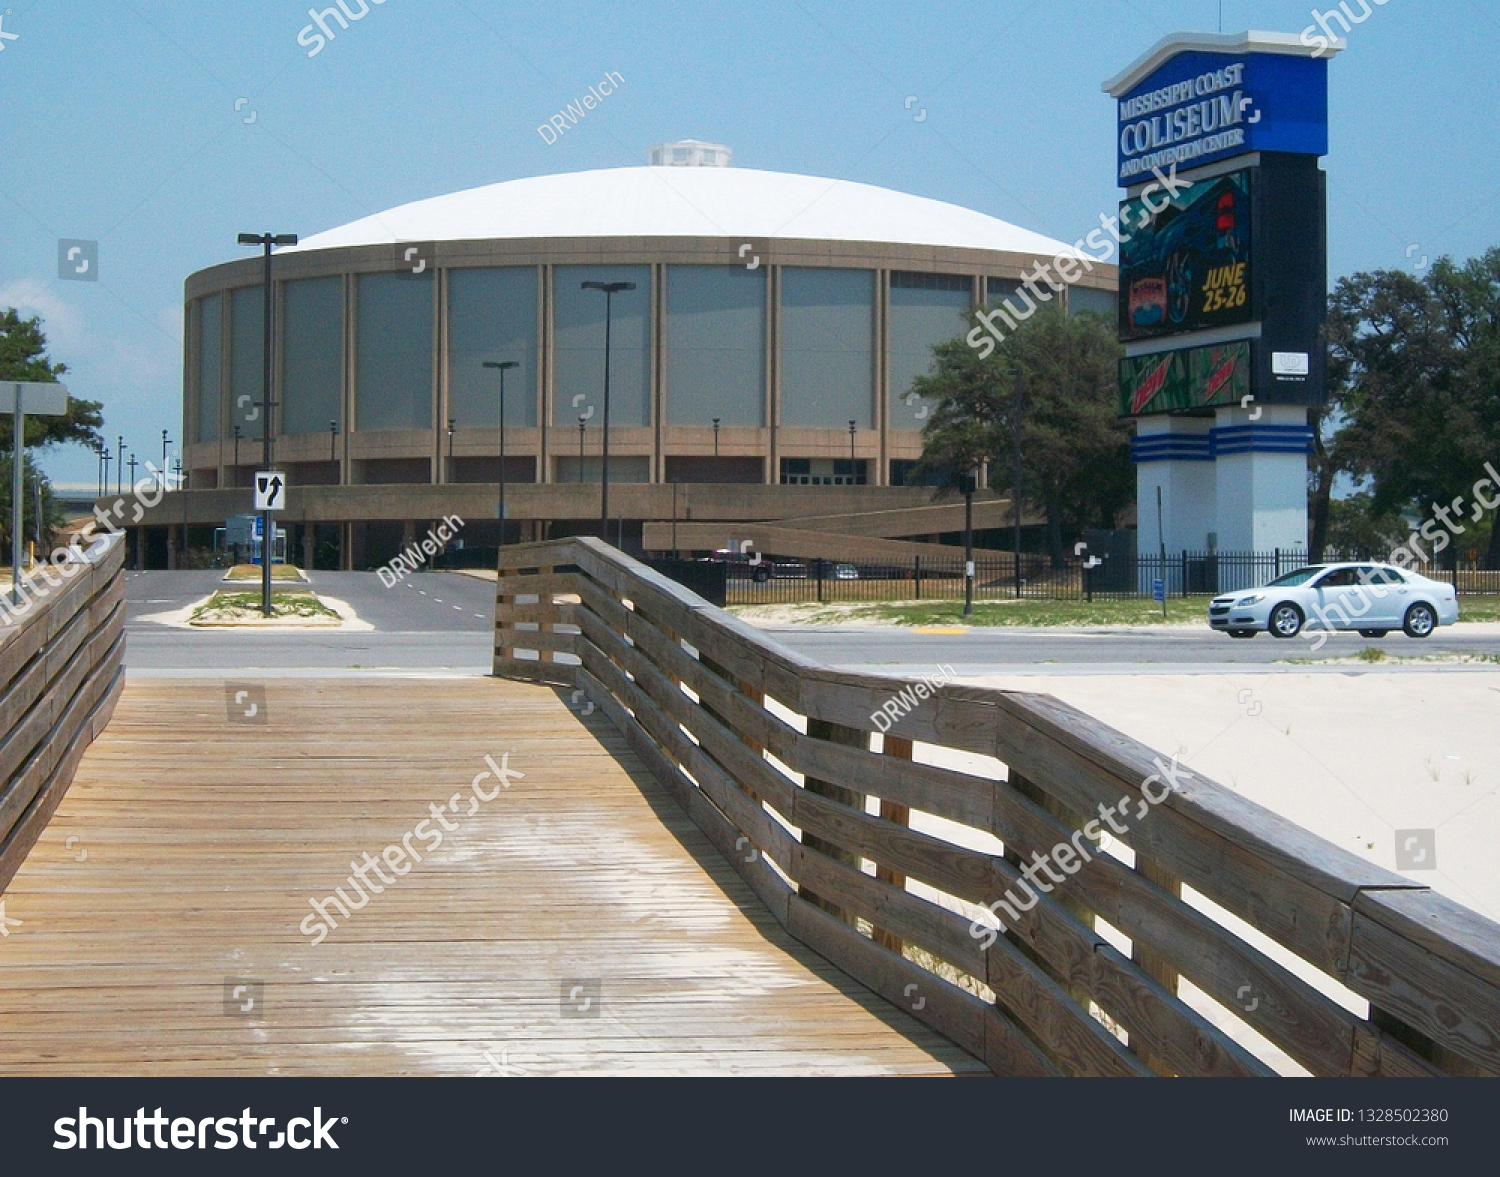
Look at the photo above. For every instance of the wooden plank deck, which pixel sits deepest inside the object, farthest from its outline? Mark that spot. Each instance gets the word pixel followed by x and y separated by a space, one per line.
pixel 196 844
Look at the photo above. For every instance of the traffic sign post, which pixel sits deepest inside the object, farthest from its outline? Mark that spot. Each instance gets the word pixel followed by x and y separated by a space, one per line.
pixel 270 495
pixel 41 400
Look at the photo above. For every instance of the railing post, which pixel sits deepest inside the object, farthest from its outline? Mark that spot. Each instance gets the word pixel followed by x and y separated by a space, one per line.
pixel 1152 963
pixel 853 737
pixel 820 579
pixel 917 572
pixel 900 748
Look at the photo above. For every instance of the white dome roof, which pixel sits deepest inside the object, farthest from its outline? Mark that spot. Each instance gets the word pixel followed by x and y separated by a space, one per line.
pixel 688 202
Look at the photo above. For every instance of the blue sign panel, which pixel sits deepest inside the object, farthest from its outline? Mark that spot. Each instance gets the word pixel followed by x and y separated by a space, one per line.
pixel 1202 107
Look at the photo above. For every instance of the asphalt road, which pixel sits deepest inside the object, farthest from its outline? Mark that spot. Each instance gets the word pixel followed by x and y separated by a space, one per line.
pixel 435 622
pixel 1118 650
pixel 444 621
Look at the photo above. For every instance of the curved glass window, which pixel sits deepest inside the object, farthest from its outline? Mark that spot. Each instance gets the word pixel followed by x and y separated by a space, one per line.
pixel 926 309
pixel 827 347
pixel 578 338
pixel 312 354
pixel 247 351
pixel 393 352
pixel 716 345
pixel 210 353
pixel 492 316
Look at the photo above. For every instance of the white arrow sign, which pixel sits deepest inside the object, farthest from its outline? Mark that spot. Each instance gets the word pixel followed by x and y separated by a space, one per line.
pixel 270 490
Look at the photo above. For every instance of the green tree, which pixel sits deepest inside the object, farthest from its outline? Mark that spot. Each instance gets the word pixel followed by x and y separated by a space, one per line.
pixel 23 356
pixel 1415 380
pixel 1075 451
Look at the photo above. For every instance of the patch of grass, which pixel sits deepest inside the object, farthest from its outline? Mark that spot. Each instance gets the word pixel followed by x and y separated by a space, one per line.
pixel 1471 608
pixel 252 572
pixel 1371 654
pixel 1025 612
pixel 243 606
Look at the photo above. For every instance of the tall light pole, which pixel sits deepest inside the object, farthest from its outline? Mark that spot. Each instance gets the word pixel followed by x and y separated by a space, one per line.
pixel 716 437
pixel 333 446
pixel 99 473
pixel 165 441
pixel 133 464
pixel 1016 471
pixel 610 289
pixel 182 485
pixel 502 366
pixel 970 480
pixel 582 425
pixel 852 476
pixel 267 242
pixel 119 462
pixel 236 455
pixel 104 458
pixel 452 424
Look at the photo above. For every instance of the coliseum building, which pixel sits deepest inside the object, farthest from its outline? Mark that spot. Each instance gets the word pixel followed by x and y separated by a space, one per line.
pixel 761 366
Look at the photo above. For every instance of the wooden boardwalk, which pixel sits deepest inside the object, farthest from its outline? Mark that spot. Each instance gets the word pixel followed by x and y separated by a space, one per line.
pixel 182 861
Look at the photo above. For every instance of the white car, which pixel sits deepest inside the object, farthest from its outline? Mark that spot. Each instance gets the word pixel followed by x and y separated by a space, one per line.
pixel 1371 598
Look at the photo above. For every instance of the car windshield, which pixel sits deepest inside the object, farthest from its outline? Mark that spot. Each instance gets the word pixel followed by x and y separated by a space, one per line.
pixel 1292 579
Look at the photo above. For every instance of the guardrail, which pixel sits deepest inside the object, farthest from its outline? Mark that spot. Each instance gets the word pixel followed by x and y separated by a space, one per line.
pixel 60 661
pixel 771 755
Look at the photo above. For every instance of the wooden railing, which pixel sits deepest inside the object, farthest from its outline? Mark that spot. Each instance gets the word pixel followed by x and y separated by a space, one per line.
pixel 60 660
pixel 771 755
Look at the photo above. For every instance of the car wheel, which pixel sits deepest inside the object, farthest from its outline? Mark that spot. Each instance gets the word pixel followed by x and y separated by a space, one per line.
pixel 1373 633
pixel 1420 621
pixel 761 575
pixel 1286 620
pixel 1242 633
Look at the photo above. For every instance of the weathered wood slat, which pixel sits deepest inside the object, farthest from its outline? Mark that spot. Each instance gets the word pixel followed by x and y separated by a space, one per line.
pixel 648 640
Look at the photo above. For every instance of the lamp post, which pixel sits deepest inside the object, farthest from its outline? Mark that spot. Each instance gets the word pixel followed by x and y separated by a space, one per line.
pixel 969 482
pixel 236 455
pixel 1016 472
pixel 501 366
pixel 104 458
pixel 853 476
pixel 99 471
pixel 716 437
pixel 119 462
pixel 181 485
pixel 582 425
pixel 452 424
pixel 610 289
pixel 267 242
pixel 133 464
pixel 165 442
pixel 333 446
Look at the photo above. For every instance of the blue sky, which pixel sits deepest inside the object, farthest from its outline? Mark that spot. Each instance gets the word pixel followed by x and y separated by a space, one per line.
pixel 118 123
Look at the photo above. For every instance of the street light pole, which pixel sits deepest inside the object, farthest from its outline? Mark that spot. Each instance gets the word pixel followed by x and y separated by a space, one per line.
pixel 582 425
pixel 501 366
pixel 610 289
pixel 333 446
pixel 99 470
pixel 1016 471
pixel 133 464
pixel 969 481
pixel 267 242
pixel 452 424
pixel 165 441
pixel 104 458
pixel 236 455
pixel 181 486
pixel 119 463
pixel 852 477
pixel 716 437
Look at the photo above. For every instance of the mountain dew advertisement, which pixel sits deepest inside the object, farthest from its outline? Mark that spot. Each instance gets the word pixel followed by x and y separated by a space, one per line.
pixel 1193 378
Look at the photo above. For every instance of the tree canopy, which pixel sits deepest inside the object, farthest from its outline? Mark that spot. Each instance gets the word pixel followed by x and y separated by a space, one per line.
pixel 23 356
pixel 1414 381
pixel 1075 452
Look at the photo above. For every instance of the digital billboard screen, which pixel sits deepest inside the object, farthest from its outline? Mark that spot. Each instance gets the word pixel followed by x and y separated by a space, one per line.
pixel 1185 258
pixel 1179 381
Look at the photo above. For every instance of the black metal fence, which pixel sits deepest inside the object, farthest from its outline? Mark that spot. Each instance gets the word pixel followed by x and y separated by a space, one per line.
pixel 996 577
